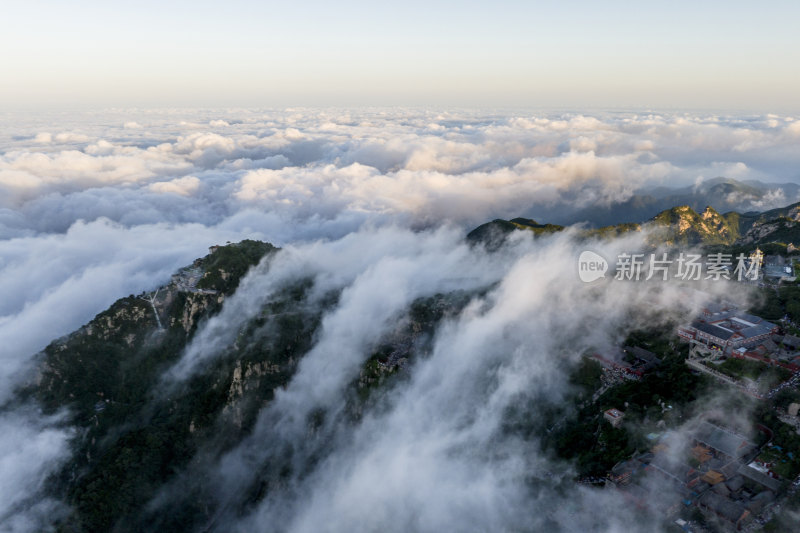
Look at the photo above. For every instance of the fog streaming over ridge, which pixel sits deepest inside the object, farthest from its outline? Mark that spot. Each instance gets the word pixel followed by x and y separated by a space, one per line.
pixel 375 203
pixel 436 454
pixel 399 264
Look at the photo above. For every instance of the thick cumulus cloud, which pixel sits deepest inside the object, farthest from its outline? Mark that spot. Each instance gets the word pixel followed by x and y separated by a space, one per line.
pixel 413 165
pixel 96 206
pixel 308 174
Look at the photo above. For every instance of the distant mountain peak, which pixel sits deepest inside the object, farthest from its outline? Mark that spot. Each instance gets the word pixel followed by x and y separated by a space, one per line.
pixel 722 194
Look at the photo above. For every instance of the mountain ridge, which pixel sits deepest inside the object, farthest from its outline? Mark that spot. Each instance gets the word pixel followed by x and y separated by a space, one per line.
pixel 133 438
pixel 133 441
pixel 723 194
pixel 678 225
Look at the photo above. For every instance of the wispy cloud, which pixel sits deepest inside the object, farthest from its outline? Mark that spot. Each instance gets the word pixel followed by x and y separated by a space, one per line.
pixel 436 453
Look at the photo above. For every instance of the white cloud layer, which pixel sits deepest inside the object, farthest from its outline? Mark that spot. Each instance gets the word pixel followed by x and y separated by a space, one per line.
pixel 416 166
pixel 96 206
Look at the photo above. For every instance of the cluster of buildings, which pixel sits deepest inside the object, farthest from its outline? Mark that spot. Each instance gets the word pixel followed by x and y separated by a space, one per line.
pixel 718 470
pixel 724 328
pixel 632 362
pixel 770 268
pixel 719 475
pixel 777 267
pixel 722 331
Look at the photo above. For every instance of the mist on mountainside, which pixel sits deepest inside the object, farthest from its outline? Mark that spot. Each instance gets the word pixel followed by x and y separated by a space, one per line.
pixel 239 320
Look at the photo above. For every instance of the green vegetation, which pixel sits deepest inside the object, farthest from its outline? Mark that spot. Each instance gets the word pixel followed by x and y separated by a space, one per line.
pixel 683 225
pixel 611 232
pixel 374 374
pixel 780 463
pixel 673 384
pixel 226 265
pixel 585 437
pixel 769 305
pixel 775 303
pixel 745 368
pixel 786 438
pixel 537 229
pixel 781 232
pixel 491 234
pixel 786 397
pixel 135 438
pixel 405 345
pixel 586 375
pixel 660 341
pixel 679 226
pixel 593 444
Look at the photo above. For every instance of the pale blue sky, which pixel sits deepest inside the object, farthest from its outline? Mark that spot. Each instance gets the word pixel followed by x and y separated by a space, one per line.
pixel 677 54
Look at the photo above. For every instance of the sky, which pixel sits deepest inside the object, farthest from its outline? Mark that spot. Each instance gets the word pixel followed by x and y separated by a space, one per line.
pixel 676 55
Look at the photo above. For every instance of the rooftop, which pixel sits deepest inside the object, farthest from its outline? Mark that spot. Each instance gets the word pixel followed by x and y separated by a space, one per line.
pixel 724 507
pixel 759 477
pixel 723 440
pixel 711 329
pixel 752 319
pixel 644 355
pixel 755 331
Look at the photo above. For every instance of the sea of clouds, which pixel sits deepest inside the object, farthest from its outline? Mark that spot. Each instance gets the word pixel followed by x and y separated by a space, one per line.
pixel 118 199
pixel 96 206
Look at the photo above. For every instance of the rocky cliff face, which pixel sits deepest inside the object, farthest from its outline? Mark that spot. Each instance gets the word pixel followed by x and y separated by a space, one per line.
pixel 715 224
pixel 106 376
pixel 760 232
pixel 679 225
pixel 134 438
pixel 777 225
pixel 96 353
pixel 683 225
